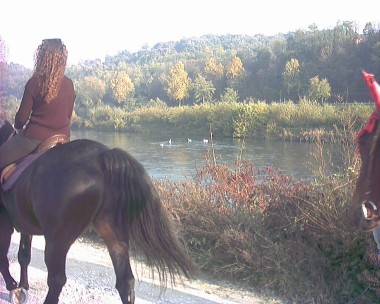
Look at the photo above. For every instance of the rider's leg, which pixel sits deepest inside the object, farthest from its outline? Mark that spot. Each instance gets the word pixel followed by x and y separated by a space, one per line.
pixel 16 148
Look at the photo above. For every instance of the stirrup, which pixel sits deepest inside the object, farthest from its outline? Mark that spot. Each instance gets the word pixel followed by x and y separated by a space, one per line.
pixel 7 171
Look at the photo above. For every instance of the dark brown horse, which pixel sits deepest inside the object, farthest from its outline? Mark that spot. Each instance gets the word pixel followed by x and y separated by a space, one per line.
pixel 80 184
pixel 367 193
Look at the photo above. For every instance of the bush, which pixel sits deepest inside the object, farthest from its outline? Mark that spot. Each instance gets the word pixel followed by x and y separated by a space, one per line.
pixel 276 232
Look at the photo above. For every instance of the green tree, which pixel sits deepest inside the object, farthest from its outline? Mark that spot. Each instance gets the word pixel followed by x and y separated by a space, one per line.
pixel 90 89
pixel 376 53
pixel 90 92
pixel 178 83
pixel 291 75
pixel 203 89
pixel 230 96
pixel 319 90
pixel 215 70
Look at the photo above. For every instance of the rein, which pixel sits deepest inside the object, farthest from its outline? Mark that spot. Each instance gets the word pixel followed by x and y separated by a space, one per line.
pixel 11 135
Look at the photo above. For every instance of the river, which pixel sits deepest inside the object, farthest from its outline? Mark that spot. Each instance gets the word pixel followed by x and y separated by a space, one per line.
pixel 181 158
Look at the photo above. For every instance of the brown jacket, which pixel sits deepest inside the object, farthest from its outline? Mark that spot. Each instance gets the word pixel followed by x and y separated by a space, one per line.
pixel 45 119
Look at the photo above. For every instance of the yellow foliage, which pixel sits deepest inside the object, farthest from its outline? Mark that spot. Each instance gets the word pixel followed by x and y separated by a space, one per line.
pixel 178 83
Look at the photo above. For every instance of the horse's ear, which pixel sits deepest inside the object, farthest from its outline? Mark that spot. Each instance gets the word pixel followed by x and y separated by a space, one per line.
pixel 5 123
pixel 5 130
pixel 374 88
pixel 6 126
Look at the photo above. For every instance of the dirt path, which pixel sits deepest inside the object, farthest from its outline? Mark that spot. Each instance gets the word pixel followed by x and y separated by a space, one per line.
pixel 91 279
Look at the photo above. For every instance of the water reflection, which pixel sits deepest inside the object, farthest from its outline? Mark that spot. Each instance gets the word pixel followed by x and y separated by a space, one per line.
pixel 181 158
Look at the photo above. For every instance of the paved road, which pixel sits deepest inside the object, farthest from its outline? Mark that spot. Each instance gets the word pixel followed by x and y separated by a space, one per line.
pixel 91 280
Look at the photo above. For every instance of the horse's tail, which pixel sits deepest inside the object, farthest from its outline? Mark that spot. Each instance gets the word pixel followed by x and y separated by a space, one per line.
pixel 140 213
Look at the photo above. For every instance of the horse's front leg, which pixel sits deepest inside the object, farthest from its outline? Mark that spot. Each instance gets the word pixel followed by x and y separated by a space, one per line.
pixel 24 256
pixel 6 231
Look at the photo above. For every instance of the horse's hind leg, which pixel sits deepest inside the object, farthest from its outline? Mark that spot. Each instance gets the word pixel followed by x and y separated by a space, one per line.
pixel 24 255
pixel 55 260
pixel 118 250
pixel 6 232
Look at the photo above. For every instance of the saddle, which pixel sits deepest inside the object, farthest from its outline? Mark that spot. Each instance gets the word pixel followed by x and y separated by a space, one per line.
pixel 11 172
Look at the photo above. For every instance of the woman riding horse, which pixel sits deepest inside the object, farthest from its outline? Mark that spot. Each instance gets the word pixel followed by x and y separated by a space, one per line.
pixel 77 185
pixel 46 106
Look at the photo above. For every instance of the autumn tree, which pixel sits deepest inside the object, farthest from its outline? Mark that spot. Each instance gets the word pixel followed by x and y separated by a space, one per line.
pixel 2 51
pixel 235 72
pixel 8 104
pixel 121 87
pixel 3 66
pixel 178 83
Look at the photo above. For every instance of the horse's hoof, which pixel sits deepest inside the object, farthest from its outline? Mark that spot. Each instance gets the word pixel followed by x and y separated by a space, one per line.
pixel 19 296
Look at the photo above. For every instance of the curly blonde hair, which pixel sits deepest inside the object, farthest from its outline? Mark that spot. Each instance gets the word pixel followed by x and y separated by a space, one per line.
pixel 49 67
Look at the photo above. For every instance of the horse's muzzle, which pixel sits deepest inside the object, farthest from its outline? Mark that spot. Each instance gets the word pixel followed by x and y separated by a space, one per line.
pixel 370 210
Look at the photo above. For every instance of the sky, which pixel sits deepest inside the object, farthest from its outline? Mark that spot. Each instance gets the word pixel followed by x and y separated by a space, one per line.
pixel 94 29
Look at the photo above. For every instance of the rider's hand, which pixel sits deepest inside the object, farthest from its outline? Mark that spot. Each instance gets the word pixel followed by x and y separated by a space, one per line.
pixel 15 130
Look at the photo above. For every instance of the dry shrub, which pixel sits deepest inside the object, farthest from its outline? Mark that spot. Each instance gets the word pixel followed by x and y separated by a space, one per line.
pixel 237 222
pixel 280 233
pixel 274 232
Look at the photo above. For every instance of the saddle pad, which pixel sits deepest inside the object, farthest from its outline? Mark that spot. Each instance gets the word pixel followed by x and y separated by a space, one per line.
pixel 20 167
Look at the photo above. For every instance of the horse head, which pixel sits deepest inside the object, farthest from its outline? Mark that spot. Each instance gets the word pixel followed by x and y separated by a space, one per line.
pixel 6 130
pixel 367 193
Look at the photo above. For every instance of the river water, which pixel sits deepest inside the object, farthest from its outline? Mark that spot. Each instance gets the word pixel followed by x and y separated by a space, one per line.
pixel 182 157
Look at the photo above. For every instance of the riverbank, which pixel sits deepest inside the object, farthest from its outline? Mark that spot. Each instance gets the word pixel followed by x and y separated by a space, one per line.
pixel 303 121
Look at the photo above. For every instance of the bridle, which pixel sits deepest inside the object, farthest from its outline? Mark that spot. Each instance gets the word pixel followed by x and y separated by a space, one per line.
pixel 368 181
